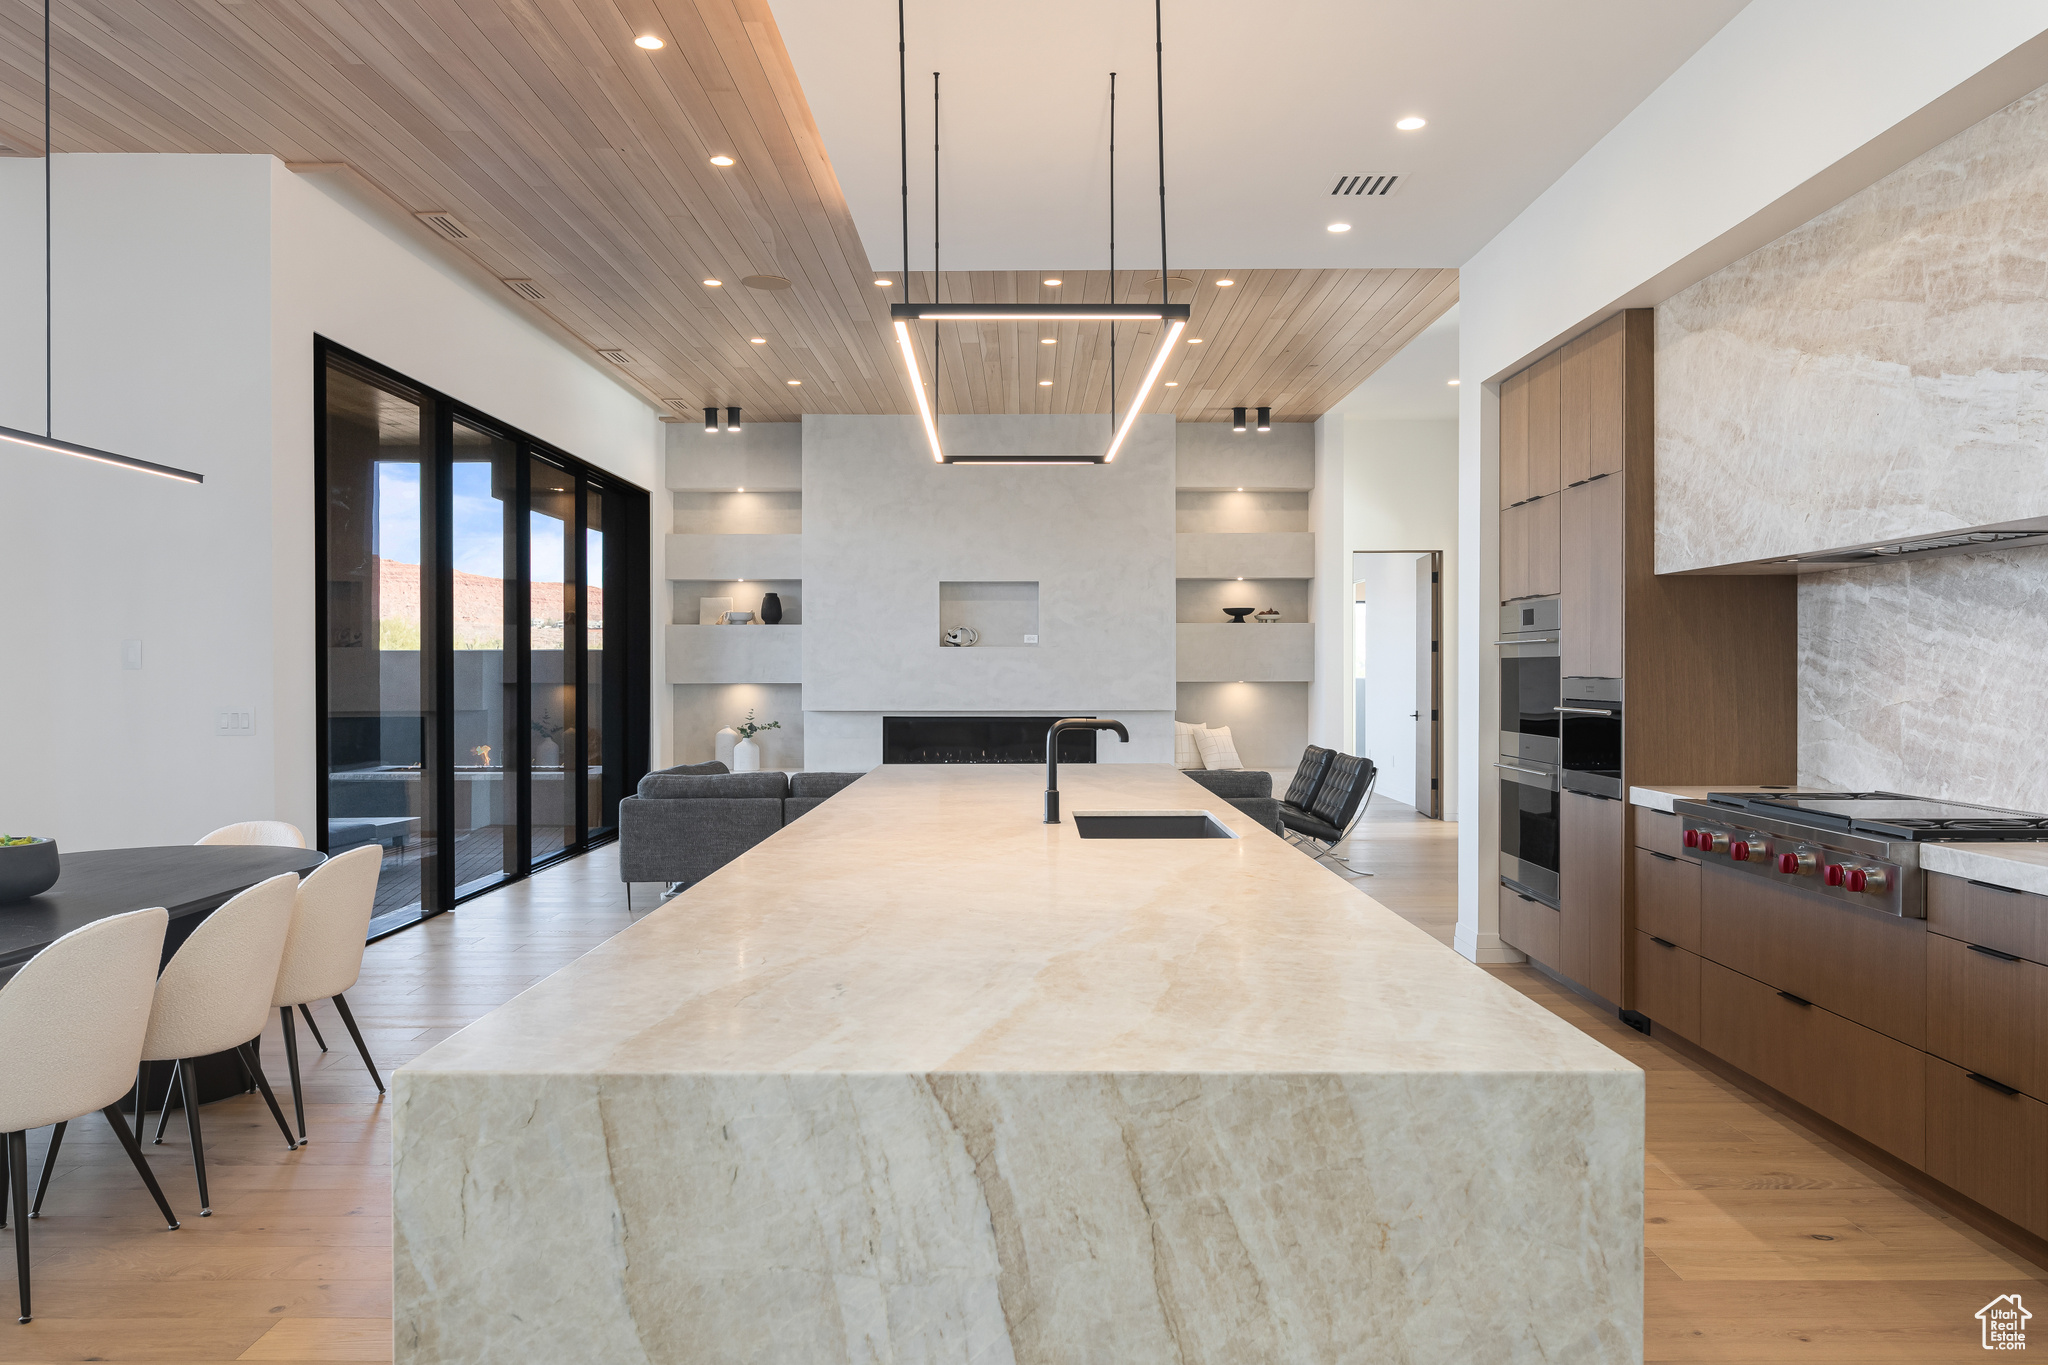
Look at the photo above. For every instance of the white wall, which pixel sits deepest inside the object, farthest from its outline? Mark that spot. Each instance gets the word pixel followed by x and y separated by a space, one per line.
pixel 188 292
pixel 1790 108
pixel 1384 618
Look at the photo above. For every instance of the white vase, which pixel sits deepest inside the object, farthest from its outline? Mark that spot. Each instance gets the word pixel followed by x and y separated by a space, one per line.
pixel 746 757
pixel 722 744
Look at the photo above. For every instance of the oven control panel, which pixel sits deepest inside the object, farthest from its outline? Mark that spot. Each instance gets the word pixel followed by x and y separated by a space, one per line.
pixel 1808 865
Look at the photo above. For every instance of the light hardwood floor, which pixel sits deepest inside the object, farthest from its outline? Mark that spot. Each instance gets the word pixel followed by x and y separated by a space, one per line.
pixel 1766 1245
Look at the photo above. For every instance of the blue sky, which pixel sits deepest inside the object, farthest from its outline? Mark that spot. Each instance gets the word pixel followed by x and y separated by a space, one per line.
pixel 479 524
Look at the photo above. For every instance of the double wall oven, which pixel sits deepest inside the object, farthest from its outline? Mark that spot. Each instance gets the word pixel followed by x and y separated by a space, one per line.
pixel 1557 734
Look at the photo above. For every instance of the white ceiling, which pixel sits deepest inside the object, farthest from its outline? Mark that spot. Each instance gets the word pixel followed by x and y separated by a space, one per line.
pixel 1266 107
pixel 1412 387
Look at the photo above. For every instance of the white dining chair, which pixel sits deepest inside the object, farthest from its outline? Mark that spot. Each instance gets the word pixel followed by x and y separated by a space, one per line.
pixel 275 833
pixel 324 954
pixel 214 996
pixel 71 1027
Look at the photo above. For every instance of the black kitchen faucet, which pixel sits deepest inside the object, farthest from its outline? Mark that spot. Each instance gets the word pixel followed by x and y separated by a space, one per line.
pixel 1052 757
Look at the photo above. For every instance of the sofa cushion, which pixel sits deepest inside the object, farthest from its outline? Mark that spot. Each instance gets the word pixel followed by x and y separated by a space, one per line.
pixel 1218 750
pixel 1187 754
pixel 689 769
pixel 821 784
pixel 727 786
pixel 1229 782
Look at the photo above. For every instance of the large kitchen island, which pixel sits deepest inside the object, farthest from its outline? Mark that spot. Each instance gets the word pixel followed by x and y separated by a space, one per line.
pixel 923 1079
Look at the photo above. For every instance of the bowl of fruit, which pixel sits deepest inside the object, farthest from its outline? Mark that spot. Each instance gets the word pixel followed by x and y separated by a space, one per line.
pixel 28 866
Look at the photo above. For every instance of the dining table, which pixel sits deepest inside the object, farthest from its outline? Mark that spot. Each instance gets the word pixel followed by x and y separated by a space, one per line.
pixel 190 881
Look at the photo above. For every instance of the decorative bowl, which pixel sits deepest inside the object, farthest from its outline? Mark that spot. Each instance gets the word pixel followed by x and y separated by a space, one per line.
pixel 1267 617
pixel 27 869
pixel 1237 614
pixel 739 618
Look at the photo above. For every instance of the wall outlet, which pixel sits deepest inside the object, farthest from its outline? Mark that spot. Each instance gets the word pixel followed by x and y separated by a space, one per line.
pixel 1031 639
pixel 131 654
pixel 237 722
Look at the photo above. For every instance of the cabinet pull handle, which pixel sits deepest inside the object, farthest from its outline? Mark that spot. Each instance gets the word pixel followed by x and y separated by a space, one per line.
pixel 1533 772
pixel 1992 952
pixel 1580 711
pixel 1664 856
pixel 1597 796
pixel 1544 640
pixel 1663 941
pixel 1991 886
pixel 1999 1086
pixel 1795 999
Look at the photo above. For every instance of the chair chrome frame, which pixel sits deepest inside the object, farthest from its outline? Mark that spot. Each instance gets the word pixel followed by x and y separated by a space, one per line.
pixel 1319 848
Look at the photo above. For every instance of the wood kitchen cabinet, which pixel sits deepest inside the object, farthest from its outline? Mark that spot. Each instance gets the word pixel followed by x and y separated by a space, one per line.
pixel 1668 898
pixel 1603 371
pixel 1662 832
pixel 1530 926
pixel 1574 412
pixel 1591 572
pixel 1540 545
pixel 1592 852
pixel 1988 1144
pixel 1514 552
pixel 1987 1012
pixel 1668 985
pixel 1543 432
pixel 1514 440
pixel 2013 922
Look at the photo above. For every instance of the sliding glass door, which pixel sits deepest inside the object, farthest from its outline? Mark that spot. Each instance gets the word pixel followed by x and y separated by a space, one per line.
pixel 474 724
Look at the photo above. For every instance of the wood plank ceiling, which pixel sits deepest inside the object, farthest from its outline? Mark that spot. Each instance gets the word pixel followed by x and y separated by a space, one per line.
pixel 575 160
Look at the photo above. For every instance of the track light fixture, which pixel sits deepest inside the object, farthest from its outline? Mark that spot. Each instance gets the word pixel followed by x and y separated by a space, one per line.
pixel 711 421
pixel 1265 419
pixel 1237 419
pixel 732 419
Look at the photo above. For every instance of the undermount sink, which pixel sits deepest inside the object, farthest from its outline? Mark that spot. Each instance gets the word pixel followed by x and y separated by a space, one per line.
pixel 1149 824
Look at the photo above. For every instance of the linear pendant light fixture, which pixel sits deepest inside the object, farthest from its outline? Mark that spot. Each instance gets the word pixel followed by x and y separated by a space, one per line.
pixel 1174 315
pixel 47 441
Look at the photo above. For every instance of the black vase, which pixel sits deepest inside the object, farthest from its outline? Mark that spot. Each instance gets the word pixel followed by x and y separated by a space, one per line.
pixel 771 608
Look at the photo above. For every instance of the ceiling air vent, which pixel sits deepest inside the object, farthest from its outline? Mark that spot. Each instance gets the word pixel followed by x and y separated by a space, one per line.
pixel 443 222
pixel 526 289
pixel 1377 186
pixel 768 282
pixel 616 357
pixel 682 405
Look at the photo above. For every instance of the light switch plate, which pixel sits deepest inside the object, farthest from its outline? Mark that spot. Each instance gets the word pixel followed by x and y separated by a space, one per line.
pixel 1031 639
pixel 131 654
pixel 235 722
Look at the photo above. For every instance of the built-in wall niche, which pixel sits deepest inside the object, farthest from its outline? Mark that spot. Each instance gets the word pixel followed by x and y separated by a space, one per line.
pixel 1000 614
pixel 737 513
pixel 1199 600
pixel 1195 512
pixel 702 709
pixel 1268 720
pixel 688 594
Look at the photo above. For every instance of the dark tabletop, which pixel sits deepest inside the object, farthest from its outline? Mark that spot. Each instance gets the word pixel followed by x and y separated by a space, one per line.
pixel 189 880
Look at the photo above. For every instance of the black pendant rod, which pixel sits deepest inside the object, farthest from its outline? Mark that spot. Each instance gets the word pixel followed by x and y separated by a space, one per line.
pixel 937 359
pixel 49 308
pixel 903 128
pixel 1112 250
pixel 1159 56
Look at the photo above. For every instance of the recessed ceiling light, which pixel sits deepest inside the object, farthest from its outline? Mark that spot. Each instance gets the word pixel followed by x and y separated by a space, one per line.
pixel 721 161
pixel 743 490
pixel 1173 383
pixel 713 284
pixel 1048 341
pixel 648 41
pixel 1452 382
pixel 758 341
pixel 1225 284
pixel 1052 282
pixel 1411 123
pixel 884 284
pixel 793 383
pixel 1340 227
pixel 1240 580
pixel 1045 383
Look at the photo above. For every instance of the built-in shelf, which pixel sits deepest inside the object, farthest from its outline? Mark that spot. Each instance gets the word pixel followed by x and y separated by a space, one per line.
pixel 735 556
pixel 735 654
pixel 1245 554
pixel 1248 653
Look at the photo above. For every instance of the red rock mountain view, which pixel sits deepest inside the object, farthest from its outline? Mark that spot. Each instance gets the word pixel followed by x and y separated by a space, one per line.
pixel 479 605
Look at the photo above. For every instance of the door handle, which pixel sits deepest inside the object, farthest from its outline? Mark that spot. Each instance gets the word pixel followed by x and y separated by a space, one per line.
pixel 1545 640
pixel 1415 715
pixel 1533 772
pixel 1992 952
pixel 1580 711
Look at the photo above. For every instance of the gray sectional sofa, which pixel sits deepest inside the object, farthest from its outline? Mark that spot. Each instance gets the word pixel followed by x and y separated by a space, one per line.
pixel 1248 789
pixel 683 824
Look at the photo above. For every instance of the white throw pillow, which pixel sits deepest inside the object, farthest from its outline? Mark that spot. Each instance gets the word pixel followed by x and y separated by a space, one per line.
pixel 1217 749
pixel 1186 752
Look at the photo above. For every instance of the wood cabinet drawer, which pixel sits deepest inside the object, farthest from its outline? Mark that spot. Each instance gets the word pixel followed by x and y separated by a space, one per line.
pixel 1865 966
pixel 1976 912
pixel 1668 985
pixel 1988 1012
pixel 1592 852
pixel 1529 925
pixel 1988 1145
pixel 1668 898
pixel 1870 1084
pixel 1662 832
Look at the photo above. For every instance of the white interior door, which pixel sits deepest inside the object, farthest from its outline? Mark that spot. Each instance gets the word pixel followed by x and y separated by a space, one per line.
pixel 1428 686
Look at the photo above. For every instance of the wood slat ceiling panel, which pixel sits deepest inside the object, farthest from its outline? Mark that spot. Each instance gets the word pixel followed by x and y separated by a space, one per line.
pixel 581 162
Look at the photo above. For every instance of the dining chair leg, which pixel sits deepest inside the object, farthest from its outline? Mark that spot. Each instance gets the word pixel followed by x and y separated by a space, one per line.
pixel 188 1095
pixel 308 1013
pixel 6 1182
pixel 35 1210
pixel 291 1058
pixel 163 1116
pixel 17 1173
pixel 133 1147
pixel 357 1034
pixel 255 1065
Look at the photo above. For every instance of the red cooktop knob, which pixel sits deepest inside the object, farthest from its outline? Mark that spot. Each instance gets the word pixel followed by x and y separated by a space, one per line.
pixel 1798 864
pixel 1739 850
pixel 1833 874
pixel 1713 841
pixel 1692 838
pixel 1858 879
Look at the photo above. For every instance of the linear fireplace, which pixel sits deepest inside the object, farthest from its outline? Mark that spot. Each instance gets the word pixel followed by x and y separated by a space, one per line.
pixel 979 739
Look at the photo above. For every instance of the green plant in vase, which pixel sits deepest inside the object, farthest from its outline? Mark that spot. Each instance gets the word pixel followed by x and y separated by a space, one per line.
pixel 746 755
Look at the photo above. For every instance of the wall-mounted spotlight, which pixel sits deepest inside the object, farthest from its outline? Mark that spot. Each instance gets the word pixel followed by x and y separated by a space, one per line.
pixel 711 421
pixel 732 419
pixel 1237 419
pixel 1265 419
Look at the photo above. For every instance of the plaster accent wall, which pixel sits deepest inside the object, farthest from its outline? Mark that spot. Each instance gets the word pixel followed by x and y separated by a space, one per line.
pixel 884 526
pixel 1925 677
pixel 1875 374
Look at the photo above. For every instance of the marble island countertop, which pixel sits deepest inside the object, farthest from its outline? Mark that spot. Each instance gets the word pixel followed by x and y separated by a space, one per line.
pixel 921 1078
pixel 1661 797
